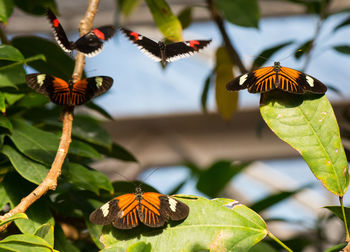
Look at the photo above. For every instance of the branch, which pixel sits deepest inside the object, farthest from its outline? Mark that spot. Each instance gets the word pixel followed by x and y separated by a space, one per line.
pixel 220 23
pixel 50 182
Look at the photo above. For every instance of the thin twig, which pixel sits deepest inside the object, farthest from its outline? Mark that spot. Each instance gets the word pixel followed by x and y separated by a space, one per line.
pixel 347 238
pixel 220 23
pixel 50 182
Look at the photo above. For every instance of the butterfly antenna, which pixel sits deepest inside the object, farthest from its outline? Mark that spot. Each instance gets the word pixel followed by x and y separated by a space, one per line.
pixel 149 175
pixel 286 57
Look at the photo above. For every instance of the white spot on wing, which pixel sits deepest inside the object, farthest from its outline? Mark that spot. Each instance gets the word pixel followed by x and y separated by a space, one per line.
pixel 40 79
pixel 310 80
pixel 105 209
pixel 172 204
pixel 99 81
pixel 243 79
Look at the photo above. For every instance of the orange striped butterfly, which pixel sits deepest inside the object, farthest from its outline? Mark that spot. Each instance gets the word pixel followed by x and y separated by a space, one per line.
pixel 277 77
pixel 69 93
pixel 150 208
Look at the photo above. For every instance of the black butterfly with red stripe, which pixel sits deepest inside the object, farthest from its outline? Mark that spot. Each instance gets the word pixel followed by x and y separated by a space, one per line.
pixel 164 52
pixel 89 44
pixel 150 208
pixel 277 77
pixel 68 93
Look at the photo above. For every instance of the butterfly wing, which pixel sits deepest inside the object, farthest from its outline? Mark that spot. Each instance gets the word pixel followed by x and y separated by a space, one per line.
pixel 293 81
pixel 84 90
pixel 54 88
pixel 156 209
pixel 260 80
pixel 104 32
pixel 58 32
pixel 175 51
pixel 146 45
pixel 121 212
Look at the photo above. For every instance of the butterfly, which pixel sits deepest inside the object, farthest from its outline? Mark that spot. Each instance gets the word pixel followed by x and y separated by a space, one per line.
pixel 277 77
pixel 89 44
pixel 164 52
pixel 69 93
pixel 150 208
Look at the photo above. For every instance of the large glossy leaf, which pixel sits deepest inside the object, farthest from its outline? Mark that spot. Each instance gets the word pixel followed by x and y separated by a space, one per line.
pixel 267 53
pixel 25 242
pixel 226 102
pixel 10 53
pixel 214 179
pixel 308 124
pixel 82 149
pixel 240 12
pixel 38 213
pixel 14 217
pixel 35 7
pixel 4 199
pixel 58 63
pixel 28 169
pixel 166 21
pixel 185 17
pixel 218 225
pixel 118 152
pixel 88 179
pixel 5 123
pixel 6 9
pixel 11 76
pixel 45 231
pixel 2 103
pixel 338 212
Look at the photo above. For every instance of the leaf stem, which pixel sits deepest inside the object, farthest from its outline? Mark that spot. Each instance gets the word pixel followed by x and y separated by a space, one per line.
pixel 347 238
pixel 279 242
pixel 3 37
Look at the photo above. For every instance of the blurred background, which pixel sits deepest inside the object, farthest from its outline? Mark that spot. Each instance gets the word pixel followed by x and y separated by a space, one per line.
pixel 171 118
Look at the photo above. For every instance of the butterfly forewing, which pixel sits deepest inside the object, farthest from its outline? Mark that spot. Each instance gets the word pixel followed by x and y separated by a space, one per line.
pixel 59 33
pixel 175 51
pixel 146 45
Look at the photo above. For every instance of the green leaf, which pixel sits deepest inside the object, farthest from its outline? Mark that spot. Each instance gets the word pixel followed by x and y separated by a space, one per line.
pixel 128 6
pixel 25 242
pixel 118 152
pixel 2 104
pixel 185 17
pixel 4 199
pixel 336 248
pixel 304 48
pixel 11 98
pixel 5 123
pixel 31 171
pixel 273 199
pixel 345 49
pixel 14 217
pixel 307 123
pixel 37 7
pixel 166 21
pixel 240 12
pixel 140 247
pixel 95 107
pixel 6 9
pixel 10 53
pixel 58 63
pixel 204 96
pixel 38 213
pixel 338 212
pixel 62 243
pixel 227 102
pixel 214 179
pixel 46 232
pixel 82 149
pixel 95 231
pixel 88 179
pixel 346 22
pixel 262 247
pixel 11 76
pixel 267 53
pixel 220 224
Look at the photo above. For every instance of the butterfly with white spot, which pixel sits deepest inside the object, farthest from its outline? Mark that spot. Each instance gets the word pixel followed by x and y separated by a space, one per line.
pixel 165 52
pixel 150 208
pixel 277 77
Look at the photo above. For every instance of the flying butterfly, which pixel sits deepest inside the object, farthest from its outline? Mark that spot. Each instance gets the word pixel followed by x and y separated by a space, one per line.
pixel 89 44
pixel 277 77
pixel 69 93
pixel 165 52
pixel 150 208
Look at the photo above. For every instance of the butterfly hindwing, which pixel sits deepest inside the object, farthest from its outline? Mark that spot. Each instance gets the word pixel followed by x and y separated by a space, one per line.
pixel 174 209
pixel 175 51
pixel 59 33
pixel 106 213
pixel 146 45
pixel 126 217
pixel 151 214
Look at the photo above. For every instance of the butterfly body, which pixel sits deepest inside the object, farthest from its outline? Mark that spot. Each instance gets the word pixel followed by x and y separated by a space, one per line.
pixel 277 77
pixel 159 51
pixel 150 208
pixel 90 44
pixel 65 93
